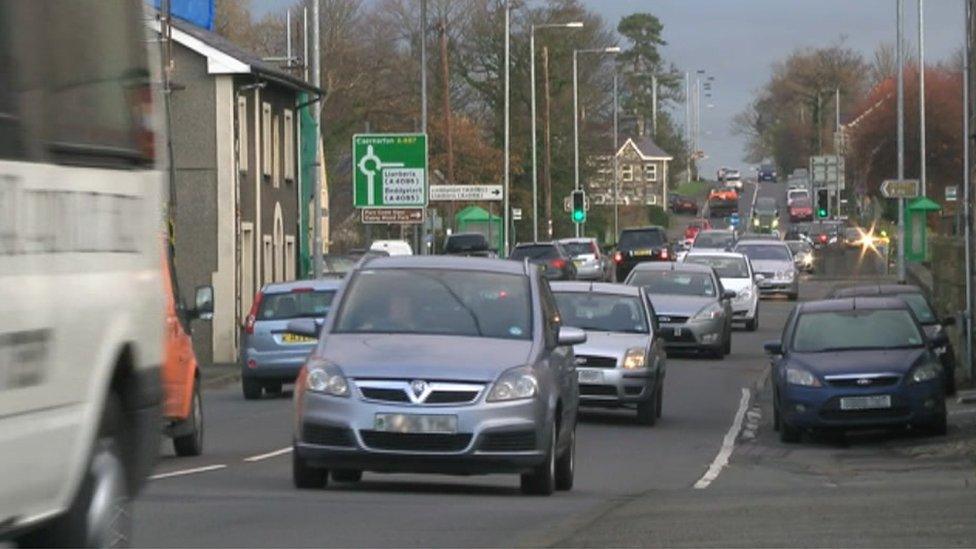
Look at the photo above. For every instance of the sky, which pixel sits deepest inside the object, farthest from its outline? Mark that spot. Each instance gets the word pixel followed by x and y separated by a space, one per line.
pixel 737 41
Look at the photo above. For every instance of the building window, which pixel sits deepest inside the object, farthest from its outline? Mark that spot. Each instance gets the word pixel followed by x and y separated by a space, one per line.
pixel 247 267
pixel 267 259
pixel 289 257
pixel 289 146
pixel 242 133
pixel 266 139
pixel 276 152
pixel 650 171
pixel 627 172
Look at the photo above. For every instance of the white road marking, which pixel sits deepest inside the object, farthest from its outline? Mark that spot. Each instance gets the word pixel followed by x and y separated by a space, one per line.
pixel 276 453
pixel 964 412
pixel 183 472
pixel 728 444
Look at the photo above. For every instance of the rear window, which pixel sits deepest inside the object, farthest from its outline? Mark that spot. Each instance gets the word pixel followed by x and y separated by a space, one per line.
pixel 635 240
pixel 726 267
pixel 579 248
pixel 466 243
pixel 713 240
pixel 764 252
pixel 534 252
pixel 283 306
pixel 674 283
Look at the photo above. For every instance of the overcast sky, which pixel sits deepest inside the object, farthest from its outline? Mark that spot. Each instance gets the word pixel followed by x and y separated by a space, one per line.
pixel 738 40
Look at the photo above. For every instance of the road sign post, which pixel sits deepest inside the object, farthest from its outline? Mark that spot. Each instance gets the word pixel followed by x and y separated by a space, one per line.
pixel 389 170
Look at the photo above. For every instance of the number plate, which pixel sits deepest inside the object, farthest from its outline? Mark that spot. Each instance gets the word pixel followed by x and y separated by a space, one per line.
pixel 415 423
pixel 578 262
pixel 296 339
pixel 677 332
pixel 590 376
pixel 865 402
pixel 643 253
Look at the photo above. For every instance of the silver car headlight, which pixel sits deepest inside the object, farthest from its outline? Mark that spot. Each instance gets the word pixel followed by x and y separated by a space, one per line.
pixel 785 275
pixel 755 221
pixel 517 383
pixel 926 372
pixel 634 359
pixel 326 378
pixel 776 223
pixel 798 376
pixel 710 312
pixel 744 295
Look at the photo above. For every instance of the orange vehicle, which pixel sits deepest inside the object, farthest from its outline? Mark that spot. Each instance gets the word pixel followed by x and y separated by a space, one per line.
pixel 183 403
pixel 722 202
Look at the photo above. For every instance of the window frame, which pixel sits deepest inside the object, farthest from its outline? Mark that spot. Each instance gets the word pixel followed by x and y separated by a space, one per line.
pixel 266 160
pixel 289 145
pixel 652 171
pixel 242 134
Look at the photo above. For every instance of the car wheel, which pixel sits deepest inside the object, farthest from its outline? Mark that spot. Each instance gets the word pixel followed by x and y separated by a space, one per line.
pixel 660 399
pixel 251 389
pixel 647 410
pixel 788 433
pixel 566 465
pixel 776 420
pixel 939 426
pixel 793 297
pixel 727 347
pixel 753 323
pixel 306 476
pixel 273 389
pixel 950 381
pixel 347 475
pixel 191 444
pixel 542 480
pixel 100 515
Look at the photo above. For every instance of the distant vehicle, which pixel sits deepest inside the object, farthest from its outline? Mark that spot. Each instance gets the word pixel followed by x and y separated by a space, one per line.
pixel 825 233
pixel 623 361
pixel 449 365
pixel 590 262
pixel 853 238
pixel 795 194
pixel 468 244
pixel 683 204
pixel 691 231
pixel 773 261
pixel 765 215
pixel 803 256
pixel 641 245
pixel 337 265
pixel 800 210
pixel 270 356
pixel 798 231
pixel 733 179
pixel 714 240
pixel 855 363
pixel 551 257
pixel 934 327
pixel 766 172
pixel 693 310
pixel 722 202
pixel 735 272
pixel 720 174
pixel 392 247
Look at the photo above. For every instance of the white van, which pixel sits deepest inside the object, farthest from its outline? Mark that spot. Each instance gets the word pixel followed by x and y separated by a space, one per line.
pixel 392 247
pixel 81 293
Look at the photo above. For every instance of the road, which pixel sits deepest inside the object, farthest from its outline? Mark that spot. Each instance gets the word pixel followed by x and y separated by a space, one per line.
pixel 636 486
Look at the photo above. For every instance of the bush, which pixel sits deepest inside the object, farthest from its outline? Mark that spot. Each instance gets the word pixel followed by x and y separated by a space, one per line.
pixel 657 216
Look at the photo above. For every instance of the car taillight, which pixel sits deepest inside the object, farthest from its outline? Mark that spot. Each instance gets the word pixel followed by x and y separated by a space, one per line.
pixel 664 253
pixel 822 238
pixel 253 314
pixel 618 257
pixel 558 263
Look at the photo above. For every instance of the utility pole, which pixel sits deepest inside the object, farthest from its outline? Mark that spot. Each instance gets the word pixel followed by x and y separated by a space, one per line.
pixel 967 321
pixel 921 94
pixel 616 147
pixel 317 110
pixel 653 106
pixel 535 164
pixel 837 111
pixel 507 213
pixel 547 144
pixel 688 125
pixel 422 241
pixel 448 129
pixel 576 179
pixel 901 136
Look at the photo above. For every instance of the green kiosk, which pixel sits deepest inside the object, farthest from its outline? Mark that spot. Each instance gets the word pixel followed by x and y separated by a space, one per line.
pixel 916 228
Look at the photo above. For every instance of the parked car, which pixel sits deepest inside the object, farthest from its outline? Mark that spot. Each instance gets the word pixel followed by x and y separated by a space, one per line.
pixel 392 247
pixel 384 389
pixel 722 202
pixel 590 261
pixel 735 273
pixel 691 231
pixel 683 204
pixel 694 311
pixel 800 209
pixel 640 245
pixel 270 355
pixel 622 363
pixel 714 239
pixel 766 172
pixel 852 363
pixel 934 327
pixel 765 215
pixel 468 244
pixel 803 256
pixel 551 258
pixel 773 262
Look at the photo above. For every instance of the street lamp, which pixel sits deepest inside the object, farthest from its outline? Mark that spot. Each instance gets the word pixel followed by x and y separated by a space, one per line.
pixel 535 167
pixel 576 179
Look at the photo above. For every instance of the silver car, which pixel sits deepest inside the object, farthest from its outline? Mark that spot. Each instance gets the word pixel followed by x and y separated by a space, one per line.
pixel 440 364
pixel 694 311
pixel 622 363
pixel 270 356
pixel 773 262
pixel 591 263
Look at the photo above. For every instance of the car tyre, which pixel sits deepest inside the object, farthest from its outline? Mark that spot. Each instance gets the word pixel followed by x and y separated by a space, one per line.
pixel 347 475
pixel 647 410
pixel 251 388
pixel 100 514
pixel 788 434
pixel 542 480
pixel 305 476
pixel 939 426
pixel 566 465
pixel 191 444
pixel 660 399
pixel 793 297
pixel 727 346
pixel 776 419
pixel 273 389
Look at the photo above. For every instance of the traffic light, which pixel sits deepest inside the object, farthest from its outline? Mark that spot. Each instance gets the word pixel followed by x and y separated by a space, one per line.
pixel 579 206
pixel 822 202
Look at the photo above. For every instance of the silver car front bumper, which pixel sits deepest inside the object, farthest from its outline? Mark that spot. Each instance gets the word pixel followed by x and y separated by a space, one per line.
pixel 615 386
pixel 699 334
pixel 779 286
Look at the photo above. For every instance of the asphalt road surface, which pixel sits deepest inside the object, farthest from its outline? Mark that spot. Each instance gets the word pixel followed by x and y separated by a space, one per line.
pixel 710 473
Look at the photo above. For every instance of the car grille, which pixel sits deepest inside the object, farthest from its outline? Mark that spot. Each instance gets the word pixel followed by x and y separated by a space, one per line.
pixel 432 393
pixel 671 319
pixel 685 337
pixel 415 442
pixel 880 381
pixel 588 361
pixel 597 390
pixel 514 441
pixel 767 275
pixel 326 435
pixel 451 397
pixel 386 395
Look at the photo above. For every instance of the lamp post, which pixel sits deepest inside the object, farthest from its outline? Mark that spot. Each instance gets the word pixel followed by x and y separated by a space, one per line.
pixel 535 166
pixel 506 213
pixel 576 179
pixel 616 148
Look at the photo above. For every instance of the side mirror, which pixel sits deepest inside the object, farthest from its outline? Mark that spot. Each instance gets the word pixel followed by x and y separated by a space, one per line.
pixel 570 336
pixel 728 294
pixel 773 347
pixel 758 277
pixel 306 327
pixel 949 321
pixel 203 303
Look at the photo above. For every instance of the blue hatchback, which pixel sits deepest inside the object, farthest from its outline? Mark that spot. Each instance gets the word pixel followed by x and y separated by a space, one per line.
pixel 855 363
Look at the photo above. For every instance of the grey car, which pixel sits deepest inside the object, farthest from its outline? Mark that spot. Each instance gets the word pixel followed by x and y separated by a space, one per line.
pixel 270 356
pixel 622 363
pixel 774 266
pixel 438 364
pixel 590 262
pixel 694 311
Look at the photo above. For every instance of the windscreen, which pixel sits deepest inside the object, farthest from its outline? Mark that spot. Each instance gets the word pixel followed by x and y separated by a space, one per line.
pixel 297 304
pixel 602 312
pixel 674 283
pixel 725 267
pixel 720 240
pixel 920 307
pixel 851 330
pixel 534 252
pixel 437 302
pixel 635 240
pixel 764 252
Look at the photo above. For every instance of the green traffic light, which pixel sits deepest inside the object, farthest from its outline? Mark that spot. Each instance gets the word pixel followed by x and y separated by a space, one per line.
pixel 579 216
pixel 822 212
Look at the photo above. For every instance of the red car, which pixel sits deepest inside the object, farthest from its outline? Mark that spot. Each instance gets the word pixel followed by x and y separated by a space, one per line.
pixel 801 210
pixel 697 225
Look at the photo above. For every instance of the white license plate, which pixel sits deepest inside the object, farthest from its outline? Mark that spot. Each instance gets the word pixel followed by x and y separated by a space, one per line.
pixel 415 423
pixel 677 332
pixel 590 376
pixel 865 402
pixel 579 263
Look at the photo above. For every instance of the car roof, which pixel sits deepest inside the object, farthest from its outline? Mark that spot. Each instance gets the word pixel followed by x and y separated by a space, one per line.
pixel 595 287
pixel 670 266
pixel 760 242
pixel 530 244
pixel 851 304
pixel 574 240
pixel 717 231
pixel 713 253
pixel 876 290
pixel 315 284
pixel 445 262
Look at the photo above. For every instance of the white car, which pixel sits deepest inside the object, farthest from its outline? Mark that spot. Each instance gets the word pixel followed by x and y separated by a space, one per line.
pixel 733 179
pixel 735 272
pixel 392 247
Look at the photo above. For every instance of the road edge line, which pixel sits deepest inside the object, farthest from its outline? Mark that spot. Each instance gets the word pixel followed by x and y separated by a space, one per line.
pixel 184 472
pixel 728 444
pixel 275 453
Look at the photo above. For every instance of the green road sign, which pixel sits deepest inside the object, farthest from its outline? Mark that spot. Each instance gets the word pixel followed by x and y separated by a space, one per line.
pixel 389 170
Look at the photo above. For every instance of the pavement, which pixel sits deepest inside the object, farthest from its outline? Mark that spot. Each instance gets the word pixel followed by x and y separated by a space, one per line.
pixel 710 473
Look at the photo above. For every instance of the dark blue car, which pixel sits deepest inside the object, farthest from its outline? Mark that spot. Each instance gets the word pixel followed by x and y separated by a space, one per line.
pixel 854 363
pixel 766 172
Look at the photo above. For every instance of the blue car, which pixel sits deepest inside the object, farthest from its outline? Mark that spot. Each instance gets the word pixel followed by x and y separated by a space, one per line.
pixel 855 363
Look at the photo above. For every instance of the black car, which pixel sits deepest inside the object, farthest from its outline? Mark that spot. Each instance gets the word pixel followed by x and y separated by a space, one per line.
pixel 683 204
pixel 767 172
pixel 551 257
pixel 639 245
pixel 935 328
pixel 467 244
